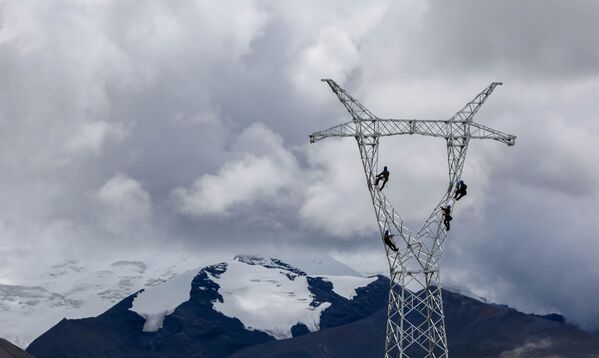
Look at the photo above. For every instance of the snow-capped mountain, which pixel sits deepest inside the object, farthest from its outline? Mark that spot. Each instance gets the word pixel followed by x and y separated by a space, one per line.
pixel 218 309
pixel 251 306
pixel 30 305
pixel 263 293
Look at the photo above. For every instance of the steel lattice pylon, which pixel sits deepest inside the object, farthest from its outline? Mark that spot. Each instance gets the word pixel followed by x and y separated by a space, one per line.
pixel 415 321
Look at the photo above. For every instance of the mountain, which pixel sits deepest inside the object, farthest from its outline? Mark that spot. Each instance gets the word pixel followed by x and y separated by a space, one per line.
pixel 33 301
pixel 262 307
pixel 217 310
pixel 9 350
pixel 475 329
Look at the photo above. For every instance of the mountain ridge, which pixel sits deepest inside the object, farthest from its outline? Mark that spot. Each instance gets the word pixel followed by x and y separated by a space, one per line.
pixel 199 326
pixel 245 306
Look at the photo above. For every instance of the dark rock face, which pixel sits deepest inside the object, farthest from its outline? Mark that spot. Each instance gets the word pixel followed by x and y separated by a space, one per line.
pixel 475 329
pixel 364 338
pixel 269 263
pixel 348 328
pixel 9 350
pixel 554 317
pixel 367 301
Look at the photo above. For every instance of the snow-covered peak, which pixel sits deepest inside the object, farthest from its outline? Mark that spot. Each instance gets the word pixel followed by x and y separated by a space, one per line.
pixel 346 286
pixel 267 263
pixel 249 286
pixel 265 294
pixel 251 259
pixel 154 303
pixel 30 304
pixel 270 296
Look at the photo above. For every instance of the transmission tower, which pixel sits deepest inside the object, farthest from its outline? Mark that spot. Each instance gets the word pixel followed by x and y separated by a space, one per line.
pixel 415 319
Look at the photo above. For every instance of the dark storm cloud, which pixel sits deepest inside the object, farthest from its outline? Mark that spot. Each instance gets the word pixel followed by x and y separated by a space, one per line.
pixel 549 40
pixel 125 124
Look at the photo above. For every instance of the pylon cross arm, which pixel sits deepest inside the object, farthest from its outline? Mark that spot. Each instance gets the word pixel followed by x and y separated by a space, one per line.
pixel 348 129
pixel 434 128
pixel 365 124
pixel 479 131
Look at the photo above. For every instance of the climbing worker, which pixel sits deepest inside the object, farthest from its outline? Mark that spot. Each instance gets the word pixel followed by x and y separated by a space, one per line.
pixel 383 175
pixel 460 190
pixel 446 216
pixel 387 239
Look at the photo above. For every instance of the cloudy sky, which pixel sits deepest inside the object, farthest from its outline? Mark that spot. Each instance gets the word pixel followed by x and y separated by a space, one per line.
pixel 129 126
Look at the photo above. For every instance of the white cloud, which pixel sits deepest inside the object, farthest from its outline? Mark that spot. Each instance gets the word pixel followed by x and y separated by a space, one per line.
pixel 527 348
pixel 333 55
pixel 126 206
pixel 335 52
pixel 259 169
pixel 336 199
pixel 93 136
pixel 329 194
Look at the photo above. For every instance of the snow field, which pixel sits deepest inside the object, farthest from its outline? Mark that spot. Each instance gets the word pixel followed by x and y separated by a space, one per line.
pixel 267 299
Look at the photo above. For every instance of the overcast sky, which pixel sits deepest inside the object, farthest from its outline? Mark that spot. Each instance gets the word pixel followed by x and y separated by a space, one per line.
pixel 127 125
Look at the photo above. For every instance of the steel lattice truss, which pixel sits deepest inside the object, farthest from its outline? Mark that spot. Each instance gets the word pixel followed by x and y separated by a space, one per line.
pixel 415 323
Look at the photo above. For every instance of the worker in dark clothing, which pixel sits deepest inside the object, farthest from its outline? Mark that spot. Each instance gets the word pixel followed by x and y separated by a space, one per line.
pixel 446 216
pixel 383 175
pixel 387 239
pixel 460 190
